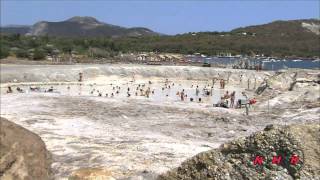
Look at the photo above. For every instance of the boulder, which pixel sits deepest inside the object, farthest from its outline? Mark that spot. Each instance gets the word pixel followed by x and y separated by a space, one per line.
pixel 235 159
pixel 23 155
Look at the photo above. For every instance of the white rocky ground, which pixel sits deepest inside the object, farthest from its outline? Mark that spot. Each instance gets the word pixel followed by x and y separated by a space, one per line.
pixel 138 136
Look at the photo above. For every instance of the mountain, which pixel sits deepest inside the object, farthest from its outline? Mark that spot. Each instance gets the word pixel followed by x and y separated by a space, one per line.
pixel 291 27
pixel 299 38
pixel 78 27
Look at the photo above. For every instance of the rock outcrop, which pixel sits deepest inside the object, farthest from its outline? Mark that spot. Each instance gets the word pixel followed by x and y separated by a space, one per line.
pixel 234 160
pixel 23 155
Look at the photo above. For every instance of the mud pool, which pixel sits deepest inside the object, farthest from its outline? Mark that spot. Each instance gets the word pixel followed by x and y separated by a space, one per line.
pixel 131 136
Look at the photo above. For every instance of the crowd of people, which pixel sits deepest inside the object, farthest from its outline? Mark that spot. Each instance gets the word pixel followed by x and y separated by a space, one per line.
pixel 227 100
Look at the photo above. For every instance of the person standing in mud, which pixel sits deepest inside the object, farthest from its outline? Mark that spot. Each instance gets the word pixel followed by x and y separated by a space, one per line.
pixel 240 80
pixel 213 82
pixel 229 74
pixel 222 84
pixel 133 77
pixel 232 98
pixel 9 89
pixel 80 77
pixel 255 82
pixel 197 91
pixel 182 95
pixel 148 92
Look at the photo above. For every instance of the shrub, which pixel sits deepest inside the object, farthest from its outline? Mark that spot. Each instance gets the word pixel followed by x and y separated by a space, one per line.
pixel 4 52
pixel 39 54
pixel 21 53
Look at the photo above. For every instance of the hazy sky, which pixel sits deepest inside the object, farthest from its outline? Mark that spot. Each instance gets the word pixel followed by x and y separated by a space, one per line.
pixel 165 16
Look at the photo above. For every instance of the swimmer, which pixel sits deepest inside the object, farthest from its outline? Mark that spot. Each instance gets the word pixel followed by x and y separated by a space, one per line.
pixel 152 92
pixel 19 90
pixel 100 94
pixel 33 88
pixel 112 94
pixel 191 99
pixel 106 94
pixel 50 89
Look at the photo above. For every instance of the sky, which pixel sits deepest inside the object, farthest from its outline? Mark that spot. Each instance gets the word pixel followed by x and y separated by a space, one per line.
pixel 163 16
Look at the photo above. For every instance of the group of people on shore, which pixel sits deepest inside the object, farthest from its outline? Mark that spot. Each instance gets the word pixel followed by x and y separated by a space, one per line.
pixel 228 100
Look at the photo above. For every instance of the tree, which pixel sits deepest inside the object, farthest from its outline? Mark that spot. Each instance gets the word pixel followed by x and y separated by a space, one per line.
pixel 4 52
pixel 21 53
pixel 39 54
